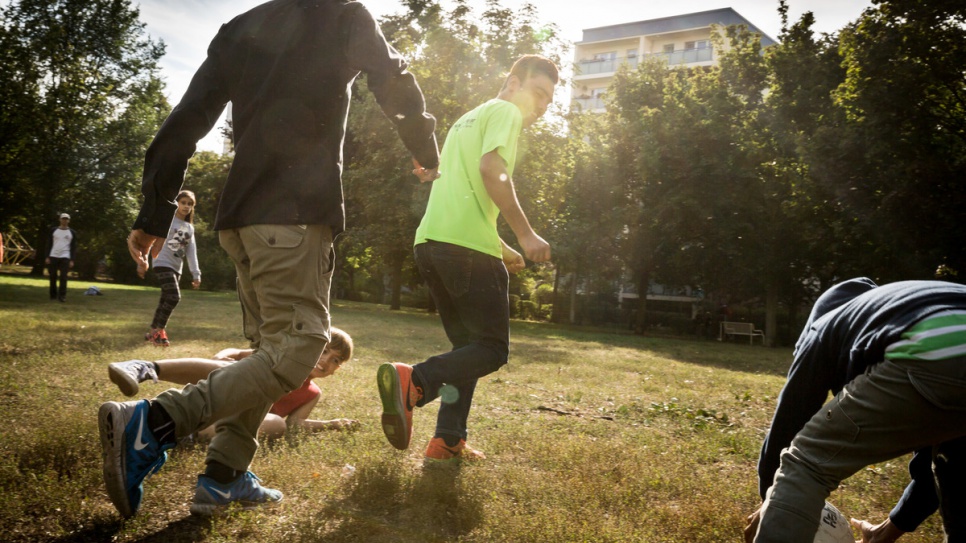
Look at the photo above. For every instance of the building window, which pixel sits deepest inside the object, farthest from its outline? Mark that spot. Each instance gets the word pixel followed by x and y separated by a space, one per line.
pixel 668 48
pixel 610 55
pixel 700 44
pixel 632 53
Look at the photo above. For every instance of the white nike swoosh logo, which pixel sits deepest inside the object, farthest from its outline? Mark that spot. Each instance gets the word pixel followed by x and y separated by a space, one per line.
pixel 138 442
pixel 224 495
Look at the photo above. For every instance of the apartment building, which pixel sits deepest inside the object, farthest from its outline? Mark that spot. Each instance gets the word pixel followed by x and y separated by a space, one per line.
pixel 682 40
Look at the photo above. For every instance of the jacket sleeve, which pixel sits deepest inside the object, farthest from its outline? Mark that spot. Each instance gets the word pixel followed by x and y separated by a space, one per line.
pixel 804 393
pixel 919 499
pixel 167 157
pixel 393 86
pixel 73 244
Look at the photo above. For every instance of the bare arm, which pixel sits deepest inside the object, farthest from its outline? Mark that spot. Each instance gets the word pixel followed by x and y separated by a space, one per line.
pixel 232 354
pixel 300 418
pixel 499 187
pixel 186 371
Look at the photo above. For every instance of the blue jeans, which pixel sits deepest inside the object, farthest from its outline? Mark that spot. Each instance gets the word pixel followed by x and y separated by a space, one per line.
pixel 470 291
pixel 895 408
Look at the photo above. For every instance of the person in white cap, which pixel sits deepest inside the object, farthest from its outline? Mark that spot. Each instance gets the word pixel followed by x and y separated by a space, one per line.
pixel 61 247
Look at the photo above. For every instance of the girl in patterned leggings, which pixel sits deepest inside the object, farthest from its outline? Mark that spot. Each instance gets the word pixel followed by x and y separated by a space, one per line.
pixel 167 266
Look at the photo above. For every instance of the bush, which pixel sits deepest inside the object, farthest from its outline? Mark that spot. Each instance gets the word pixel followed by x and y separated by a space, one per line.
pixel 528 309
pixel 514 306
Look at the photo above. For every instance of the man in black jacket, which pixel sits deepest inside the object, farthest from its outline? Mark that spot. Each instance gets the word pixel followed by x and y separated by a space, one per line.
pixel 287 67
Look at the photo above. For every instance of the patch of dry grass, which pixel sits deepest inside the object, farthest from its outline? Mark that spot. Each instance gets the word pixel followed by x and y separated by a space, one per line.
pixel 590 436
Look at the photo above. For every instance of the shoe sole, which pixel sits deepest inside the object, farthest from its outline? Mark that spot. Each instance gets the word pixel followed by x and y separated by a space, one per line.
pixel 394 423
pixel 127 385
pixel 110 423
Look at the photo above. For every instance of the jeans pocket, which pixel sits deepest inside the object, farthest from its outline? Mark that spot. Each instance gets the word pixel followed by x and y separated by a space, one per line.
pixel 828 432
pixel 454 268
pixel 945 392
pixel 280 236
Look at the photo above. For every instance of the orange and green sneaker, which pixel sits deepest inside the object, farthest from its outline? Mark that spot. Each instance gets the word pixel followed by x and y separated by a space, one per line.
pixel 439 451
pixel 399 397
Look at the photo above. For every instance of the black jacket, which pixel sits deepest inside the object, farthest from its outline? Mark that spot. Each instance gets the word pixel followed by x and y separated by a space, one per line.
pixel 287 66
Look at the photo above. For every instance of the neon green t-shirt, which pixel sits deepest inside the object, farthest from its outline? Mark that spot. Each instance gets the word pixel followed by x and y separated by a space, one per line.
pixel 459 210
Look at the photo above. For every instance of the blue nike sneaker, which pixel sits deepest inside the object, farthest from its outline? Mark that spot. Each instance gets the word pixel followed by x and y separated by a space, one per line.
pixel 212 497
pixel 131 452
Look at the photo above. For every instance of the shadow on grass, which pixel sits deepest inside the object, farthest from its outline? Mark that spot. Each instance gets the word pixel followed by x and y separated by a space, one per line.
pixel 185 530
pixel 389 501
pixel 540 342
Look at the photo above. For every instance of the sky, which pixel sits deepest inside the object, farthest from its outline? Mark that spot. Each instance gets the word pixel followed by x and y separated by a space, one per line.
pixel 187 26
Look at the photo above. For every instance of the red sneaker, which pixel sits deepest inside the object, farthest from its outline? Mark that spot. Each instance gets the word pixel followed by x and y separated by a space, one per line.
pixel 158 337
pixel 399 397
pixel 439 451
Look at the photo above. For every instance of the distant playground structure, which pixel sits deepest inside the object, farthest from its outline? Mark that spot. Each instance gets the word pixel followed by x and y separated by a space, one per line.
pixel 15 247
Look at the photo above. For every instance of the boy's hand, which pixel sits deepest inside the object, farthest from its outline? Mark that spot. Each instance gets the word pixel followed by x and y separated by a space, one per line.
pixel 883 533
pixel 752 527
pixel 536 248
pixel 513 260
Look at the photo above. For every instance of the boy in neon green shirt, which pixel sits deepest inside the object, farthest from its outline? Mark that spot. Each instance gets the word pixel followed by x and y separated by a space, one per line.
pixel 465 263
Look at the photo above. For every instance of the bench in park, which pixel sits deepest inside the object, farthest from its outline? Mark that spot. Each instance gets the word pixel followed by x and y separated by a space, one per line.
pixel 740 329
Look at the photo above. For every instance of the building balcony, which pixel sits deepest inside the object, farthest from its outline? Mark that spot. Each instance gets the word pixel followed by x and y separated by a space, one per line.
pixel 686 56
pixel 590 104
pixel 604 66
pixel 607 67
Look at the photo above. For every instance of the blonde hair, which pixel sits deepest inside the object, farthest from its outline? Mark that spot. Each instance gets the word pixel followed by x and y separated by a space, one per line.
pixel 342 342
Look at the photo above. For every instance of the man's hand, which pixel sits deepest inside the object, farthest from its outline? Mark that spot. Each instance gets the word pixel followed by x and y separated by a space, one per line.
pixel 139 244
pixel 196 284
pixel 752 527
pixel 535 247
pixel 883 533
pixel 425 175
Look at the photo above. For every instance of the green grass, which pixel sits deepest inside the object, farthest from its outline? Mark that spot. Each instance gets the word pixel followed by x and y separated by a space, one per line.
pixel 590 436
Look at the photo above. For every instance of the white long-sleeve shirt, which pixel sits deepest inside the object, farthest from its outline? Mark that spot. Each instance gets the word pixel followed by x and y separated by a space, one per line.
pixel 178 246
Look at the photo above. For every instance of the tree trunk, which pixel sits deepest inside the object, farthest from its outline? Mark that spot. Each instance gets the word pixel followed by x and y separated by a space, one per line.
pixel 771 314
pixel 395 281
pixel 640 323
pixel 555 313
pixel 573 299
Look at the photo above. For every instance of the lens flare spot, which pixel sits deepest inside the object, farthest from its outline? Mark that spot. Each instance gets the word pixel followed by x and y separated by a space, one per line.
pixel 448 394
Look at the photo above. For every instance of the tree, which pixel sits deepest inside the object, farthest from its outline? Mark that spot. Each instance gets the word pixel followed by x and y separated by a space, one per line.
pixel 86 99
pixel 904 100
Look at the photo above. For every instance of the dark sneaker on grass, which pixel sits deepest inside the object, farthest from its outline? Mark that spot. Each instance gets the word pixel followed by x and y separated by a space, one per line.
pixel 127 375
pixel 131 452
pixel 212 497
pixel 399 397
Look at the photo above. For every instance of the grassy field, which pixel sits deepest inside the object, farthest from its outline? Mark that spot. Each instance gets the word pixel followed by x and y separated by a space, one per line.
pixel 590 437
